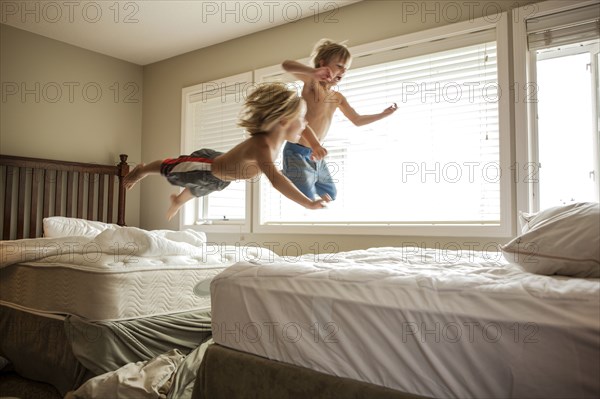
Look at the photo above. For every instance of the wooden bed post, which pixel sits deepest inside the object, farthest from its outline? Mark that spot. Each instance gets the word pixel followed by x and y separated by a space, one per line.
pixel 123 171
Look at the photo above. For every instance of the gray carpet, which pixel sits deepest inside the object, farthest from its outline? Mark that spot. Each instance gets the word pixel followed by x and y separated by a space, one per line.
pixel 14 386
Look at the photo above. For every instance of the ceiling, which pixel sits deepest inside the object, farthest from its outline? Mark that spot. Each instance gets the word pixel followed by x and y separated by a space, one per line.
pixel 147 31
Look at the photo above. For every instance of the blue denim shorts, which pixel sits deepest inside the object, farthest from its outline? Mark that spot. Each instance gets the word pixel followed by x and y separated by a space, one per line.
pixel 311 177
pixel 194 172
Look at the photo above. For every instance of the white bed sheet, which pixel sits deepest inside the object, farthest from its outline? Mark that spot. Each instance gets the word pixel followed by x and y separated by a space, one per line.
pixel 460 324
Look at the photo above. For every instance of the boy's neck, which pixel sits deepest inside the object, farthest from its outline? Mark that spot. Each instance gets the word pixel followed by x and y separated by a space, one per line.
pixel 275 138
pixel 326 85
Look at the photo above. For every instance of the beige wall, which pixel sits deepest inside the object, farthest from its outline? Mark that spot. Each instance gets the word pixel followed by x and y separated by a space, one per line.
pixel 58 102
pixel 359 23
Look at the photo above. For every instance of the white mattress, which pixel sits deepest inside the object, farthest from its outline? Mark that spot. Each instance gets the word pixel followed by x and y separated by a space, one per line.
pixel 433 323
pixel 120 274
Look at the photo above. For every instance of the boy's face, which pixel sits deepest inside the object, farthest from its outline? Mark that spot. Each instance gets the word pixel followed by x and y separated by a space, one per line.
pixel 338 68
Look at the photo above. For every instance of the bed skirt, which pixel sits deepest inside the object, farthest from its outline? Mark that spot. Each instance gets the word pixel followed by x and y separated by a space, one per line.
pixel 227 373
pixel 67 352
pixel 39 349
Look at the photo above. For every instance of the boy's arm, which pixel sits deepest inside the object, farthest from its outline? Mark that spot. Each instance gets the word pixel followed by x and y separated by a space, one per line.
pixel 306 73
pixel 360 120
pixel 287 188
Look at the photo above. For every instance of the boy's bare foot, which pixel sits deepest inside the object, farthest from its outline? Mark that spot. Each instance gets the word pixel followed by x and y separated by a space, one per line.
pixel 134 176
pixel 175 206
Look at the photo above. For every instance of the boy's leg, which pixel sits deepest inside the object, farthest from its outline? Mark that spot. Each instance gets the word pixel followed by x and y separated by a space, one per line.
pixel 177 201
pixel 141 171
pixel 301 171
pixel 325 183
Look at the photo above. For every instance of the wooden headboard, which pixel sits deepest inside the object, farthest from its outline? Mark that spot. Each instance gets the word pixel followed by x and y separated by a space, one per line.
pixel 33 189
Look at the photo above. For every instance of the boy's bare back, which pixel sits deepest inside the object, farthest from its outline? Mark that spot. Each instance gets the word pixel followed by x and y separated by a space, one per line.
pixel 247 160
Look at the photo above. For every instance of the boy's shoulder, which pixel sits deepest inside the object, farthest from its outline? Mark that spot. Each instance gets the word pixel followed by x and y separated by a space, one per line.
pixel 334 95
pixel 253 149
pixel 260 149
pixel 331 90
pixel 256 142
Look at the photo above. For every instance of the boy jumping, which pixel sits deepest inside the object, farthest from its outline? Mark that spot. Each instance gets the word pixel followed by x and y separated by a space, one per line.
pixel 303 161
pixel 273 114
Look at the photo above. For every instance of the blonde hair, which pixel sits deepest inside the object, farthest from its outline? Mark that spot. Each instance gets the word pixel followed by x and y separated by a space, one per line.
pixel 327 50
pixel 267 105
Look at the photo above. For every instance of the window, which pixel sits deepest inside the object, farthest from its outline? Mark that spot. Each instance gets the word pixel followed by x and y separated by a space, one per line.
pixel 211 112
pixel 436 162
pixel 567 155
pixel 433 168
pixel 563 48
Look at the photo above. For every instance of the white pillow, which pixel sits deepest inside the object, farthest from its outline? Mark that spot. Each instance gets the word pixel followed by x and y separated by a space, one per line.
pixel 524 219
pixel 59 226
pixel 563 240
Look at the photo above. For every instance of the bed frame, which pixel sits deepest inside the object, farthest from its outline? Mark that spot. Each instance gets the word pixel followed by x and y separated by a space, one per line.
pixel 30 190
pixel 228 373
pixel 33 189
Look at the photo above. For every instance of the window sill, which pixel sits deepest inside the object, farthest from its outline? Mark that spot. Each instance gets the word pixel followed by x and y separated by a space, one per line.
pixel 430 230
pixel 220 227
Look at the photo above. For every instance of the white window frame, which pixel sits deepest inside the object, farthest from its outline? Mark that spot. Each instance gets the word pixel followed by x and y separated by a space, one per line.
pixel 216 226
pixel 507 224
pixel 526 167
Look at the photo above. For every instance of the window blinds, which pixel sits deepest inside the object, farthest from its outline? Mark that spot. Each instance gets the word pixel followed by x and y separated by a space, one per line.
pixel 214 126
pixel 567 27
pixel 436 160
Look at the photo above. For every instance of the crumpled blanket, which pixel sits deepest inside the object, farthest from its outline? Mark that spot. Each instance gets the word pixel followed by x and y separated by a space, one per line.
pixel 100 252
pixel 148 379
pixel 170 375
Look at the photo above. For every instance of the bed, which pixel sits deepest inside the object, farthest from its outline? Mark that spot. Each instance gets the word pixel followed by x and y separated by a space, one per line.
pixel 84 295
pixel 93 305
pixel 404 322
pixel 33 189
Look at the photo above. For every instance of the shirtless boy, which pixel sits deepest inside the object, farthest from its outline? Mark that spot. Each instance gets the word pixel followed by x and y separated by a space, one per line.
pixel 303 161
pixel 273 114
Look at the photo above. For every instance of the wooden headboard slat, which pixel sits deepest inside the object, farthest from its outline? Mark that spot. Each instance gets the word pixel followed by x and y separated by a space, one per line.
pixel 111 195
pixel 58 195
pixel 35 180
pixel 80 196
pixel 7 200
pixel 70 177
pixel 39 193
pixel 47 182
pixel 90 196
pixel 101 182
pixel 21 201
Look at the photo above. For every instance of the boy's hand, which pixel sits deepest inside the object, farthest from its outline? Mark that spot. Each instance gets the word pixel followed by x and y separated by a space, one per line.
pixel 318 153
pixel 323 74
pixel 320 203
pixel 390 110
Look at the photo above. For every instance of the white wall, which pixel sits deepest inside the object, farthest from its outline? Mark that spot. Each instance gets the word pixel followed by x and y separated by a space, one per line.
pixel 63 102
